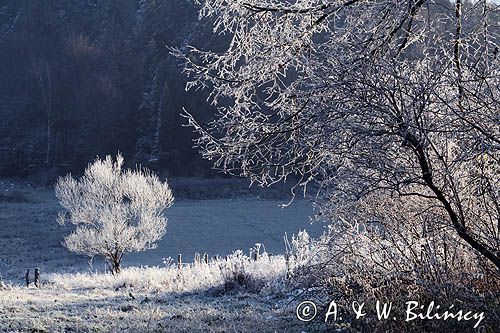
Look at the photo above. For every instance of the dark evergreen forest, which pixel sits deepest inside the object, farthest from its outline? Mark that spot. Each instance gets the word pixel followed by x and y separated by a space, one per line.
pixel 81 78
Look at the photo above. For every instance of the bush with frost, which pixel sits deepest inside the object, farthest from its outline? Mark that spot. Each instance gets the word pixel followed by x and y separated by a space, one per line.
pixel 381 249
pixel 115 211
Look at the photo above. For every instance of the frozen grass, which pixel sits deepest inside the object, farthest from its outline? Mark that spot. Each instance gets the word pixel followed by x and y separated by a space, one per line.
pixel 50 310
pixel 233 295
pixel 237 271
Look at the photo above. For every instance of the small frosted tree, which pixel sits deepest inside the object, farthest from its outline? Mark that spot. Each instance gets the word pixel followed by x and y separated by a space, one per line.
pixel 115 211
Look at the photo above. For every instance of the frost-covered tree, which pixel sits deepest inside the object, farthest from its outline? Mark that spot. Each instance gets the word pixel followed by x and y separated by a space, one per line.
pixel 115 211
pixel 399 98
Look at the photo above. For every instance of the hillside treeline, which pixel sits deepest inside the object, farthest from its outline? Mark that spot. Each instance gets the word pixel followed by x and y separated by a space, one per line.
pixel 85 78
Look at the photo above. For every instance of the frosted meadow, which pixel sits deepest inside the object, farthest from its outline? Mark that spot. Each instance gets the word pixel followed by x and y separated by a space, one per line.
pixel 250 166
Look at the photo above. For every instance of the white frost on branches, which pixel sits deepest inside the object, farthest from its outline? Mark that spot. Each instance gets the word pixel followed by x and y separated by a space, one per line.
pixel 400 98
pixel 115 211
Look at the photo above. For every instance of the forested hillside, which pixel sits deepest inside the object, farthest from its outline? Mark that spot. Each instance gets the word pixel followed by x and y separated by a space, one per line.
pixel 86 78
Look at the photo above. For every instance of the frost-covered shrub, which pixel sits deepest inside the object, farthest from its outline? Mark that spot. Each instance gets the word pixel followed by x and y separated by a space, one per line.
pixel 382 249
pixel 267 271
pixel 237 277
pixel 299 251
pixel 115 211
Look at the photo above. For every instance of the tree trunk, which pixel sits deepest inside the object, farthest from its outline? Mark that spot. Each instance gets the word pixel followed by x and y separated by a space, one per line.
pixel 457 224
pixel 114 261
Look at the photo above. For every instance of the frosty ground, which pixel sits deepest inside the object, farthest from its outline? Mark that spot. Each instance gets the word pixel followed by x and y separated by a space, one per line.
pixel 31 238
pixel 147 300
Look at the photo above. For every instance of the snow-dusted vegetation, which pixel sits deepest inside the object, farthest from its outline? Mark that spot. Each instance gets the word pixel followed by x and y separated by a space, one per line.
pixel 391 108
pixel 116 211
pixel 225 275
pixel 102 310
pixel 31 238
pixel 237 293
pixel 379 119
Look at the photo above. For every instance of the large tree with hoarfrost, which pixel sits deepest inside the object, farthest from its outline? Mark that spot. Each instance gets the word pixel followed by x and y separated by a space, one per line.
pixel 395 98
pixel 115 211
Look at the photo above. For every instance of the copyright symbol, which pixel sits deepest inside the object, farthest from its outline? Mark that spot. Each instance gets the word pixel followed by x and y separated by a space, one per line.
pixel 306 311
